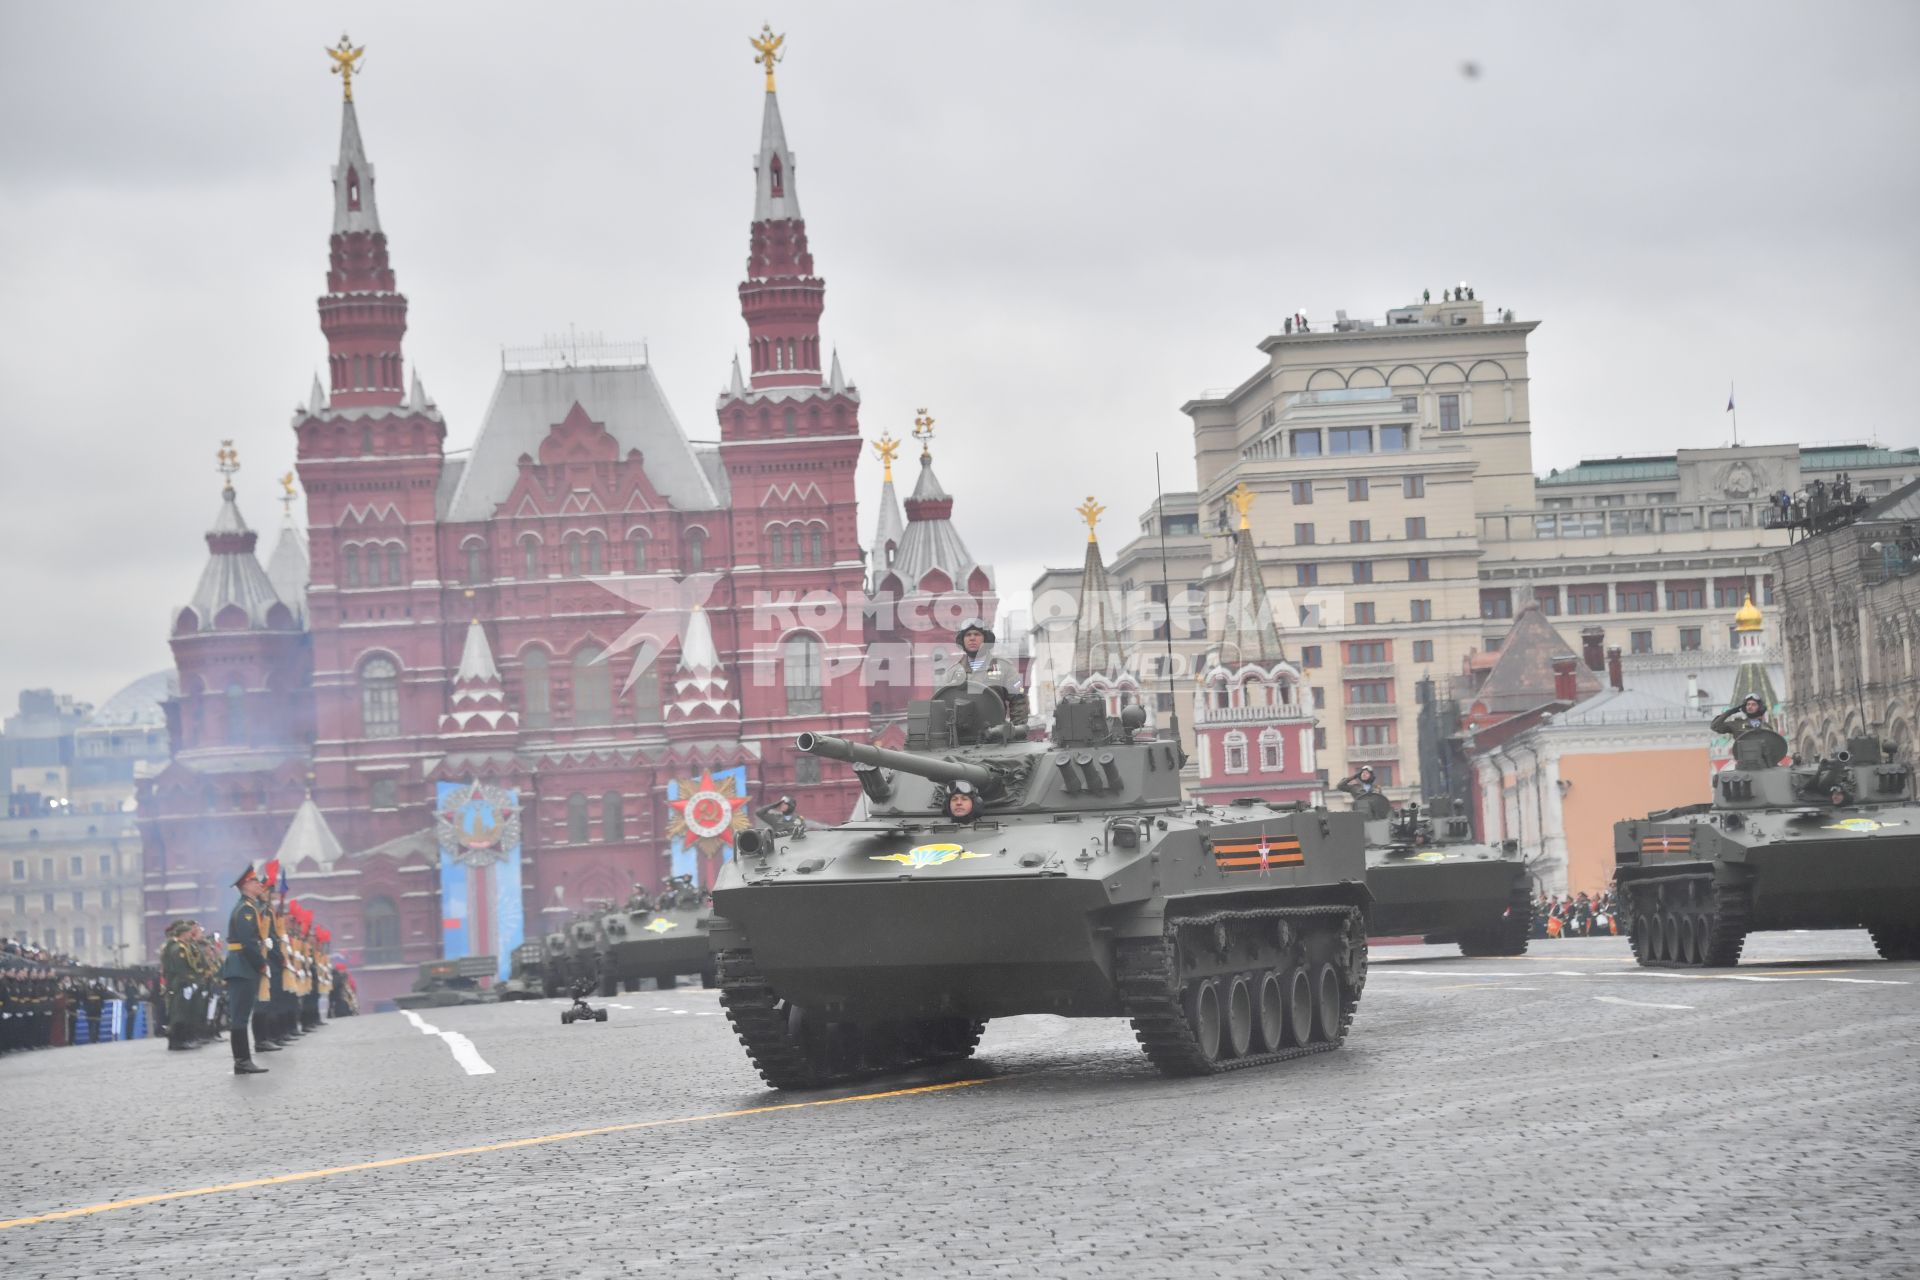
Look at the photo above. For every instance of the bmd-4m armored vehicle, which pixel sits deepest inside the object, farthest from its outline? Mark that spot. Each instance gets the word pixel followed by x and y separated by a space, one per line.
pixel 992 876
pixel 449 982
pixel 1429 877
pixel 658 938
pixel 1831 845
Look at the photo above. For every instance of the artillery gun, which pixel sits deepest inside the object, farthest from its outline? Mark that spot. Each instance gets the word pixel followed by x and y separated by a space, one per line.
pixel 991 876
pixel 1428 876
pixel 1830 845
pixel 656 938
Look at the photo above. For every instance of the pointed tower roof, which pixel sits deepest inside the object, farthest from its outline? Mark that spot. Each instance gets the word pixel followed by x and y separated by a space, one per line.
pixel 889 530
pixel 1097 647
pixel 288 571
pixel 1250 634
pixel 316 398
pixel 836 381
pixel 477 698
pixel 309 836
pixel 233 579
pixel 774 193
pixel 700 681
pixel 736 385
pixel 1751 678
pixel 353 204
pixel 1522 675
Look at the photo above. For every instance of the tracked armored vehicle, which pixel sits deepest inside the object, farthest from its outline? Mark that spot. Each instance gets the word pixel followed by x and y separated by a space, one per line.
pixel 1830 845
pixel 556 965
pixel 585 944
pixel 449 982
pixel 659 939
pixel 992 876
pixel 1429 877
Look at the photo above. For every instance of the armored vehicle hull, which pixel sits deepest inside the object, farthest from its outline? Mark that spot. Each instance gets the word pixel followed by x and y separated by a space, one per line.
pixel 1081 886
pixel 1832 846
pixel 1428 877
pixel 654 943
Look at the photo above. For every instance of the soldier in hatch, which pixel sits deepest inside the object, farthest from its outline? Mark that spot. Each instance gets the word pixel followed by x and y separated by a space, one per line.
pixel 979 664
pixel 1750 714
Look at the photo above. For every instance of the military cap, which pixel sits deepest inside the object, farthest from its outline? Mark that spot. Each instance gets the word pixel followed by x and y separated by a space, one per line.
pixel 248 874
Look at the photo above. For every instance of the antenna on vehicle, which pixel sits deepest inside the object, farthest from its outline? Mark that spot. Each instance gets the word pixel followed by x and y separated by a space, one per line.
pixel 1166 590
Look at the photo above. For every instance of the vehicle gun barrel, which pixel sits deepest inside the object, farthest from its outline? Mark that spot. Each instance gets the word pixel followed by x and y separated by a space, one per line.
pixel 933 767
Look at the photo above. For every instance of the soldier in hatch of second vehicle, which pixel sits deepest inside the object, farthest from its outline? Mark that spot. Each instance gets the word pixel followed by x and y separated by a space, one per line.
pixel 1750 714
pixel 781 817
pixel 962 804
pixel 1360 783
pixel 978 663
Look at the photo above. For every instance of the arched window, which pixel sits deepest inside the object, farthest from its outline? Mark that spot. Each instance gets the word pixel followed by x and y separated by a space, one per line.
pixel 776 179
pixel 380 926
pixel 646 696
pixel 816 546
pixel 529 557
pixel 366 433
pixel 350 566
pixel 800 673
pixel 696 550
pixel 536 706
pixel 776 547
pixel 790 422
pixel 592 686
pixel 236 714
pixel 571 546
pixel 613 817
pixel 1273 754
pixel 476 560
pixel 380 699
pixel 637 545
pixel 596 553
pixel 396 563
pixel 359 380
pixel 373 565
pixel 1236 748
pixel 577 818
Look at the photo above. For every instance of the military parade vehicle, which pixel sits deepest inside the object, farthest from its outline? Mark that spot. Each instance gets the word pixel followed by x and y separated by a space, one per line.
pixel 1429 877
pixel 525 975
pixel 450 982
pixel 1830 845
pixel 556 965
pixel 657 938
pixel 584 945
pixel 992 876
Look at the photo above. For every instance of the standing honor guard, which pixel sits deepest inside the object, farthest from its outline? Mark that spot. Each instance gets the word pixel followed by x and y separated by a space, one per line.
pixel 247 968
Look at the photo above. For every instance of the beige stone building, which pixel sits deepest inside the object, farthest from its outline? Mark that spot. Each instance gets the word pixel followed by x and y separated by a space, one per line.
pixel 1400 525
pixel 1849 618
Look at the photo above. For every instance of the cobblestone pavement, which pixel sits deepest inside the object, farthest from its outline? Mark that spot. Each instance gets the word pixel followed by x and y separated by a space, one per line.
pixel 1563 1112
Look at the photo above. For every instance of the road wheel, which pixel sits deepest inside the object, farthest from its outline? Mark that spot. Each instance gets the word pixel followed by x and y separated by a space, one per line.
pixel 1239 1015
pixel 1203 1017
pixel 1299 1007
pixel 1270 1020
pixel 1702 937
pixel 1326 1005
pixel 1678 931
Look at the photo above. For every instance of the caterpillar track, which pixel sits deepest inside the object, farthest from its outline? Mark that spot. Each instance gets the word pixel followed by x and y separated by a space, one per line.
pixel 1231 951
pixel 791 1054
pixel 1509 935
pixel 1688 922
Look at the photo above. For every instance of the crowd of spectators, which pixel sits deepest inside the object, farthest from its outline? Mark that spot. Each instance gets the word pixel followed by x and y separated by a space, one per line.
pixel 1575 915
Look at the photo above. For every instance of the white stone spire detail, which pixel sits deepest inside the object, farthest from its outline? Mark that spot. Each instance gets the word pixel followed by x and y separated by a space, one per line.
pixel 417 397
pixel 774 193
pixel 317 398
pixel 477 703
pixel 738 386
pixel 308 836
pixel 836 381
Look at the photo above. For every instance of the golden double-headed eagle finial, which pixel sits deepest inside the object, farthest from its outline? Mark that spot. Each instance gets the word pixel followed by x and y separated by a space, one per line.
pixel 887 448
pixel 766 50
pixel 1242 498
pixel 286 493
pixel 1090 511
pixel 923 432
pixel 345 56
pixel 229 462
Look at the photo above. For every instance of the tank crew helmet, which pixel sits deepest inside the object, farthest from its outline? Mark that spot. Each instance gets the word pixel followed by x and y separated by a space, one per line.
pixel 973 624
pixel 786 802
pixel 963 801
pixel 1365 774
pixel 1753 706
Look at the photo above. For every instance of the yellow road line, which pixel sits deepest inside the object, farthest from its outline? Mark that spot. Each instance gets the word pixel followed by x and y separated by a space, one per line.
pixel 569 1136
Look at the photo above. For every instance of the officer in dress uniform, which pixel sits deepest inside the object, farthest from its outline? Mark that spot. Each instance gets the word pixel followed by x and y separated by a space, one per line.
pixel 979 664
pixel 246 965
pixel 176 969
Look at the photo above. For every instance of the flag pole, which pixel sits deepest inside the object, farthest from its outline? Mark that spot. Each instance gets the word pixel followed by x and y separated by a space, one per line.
pixel 1736 416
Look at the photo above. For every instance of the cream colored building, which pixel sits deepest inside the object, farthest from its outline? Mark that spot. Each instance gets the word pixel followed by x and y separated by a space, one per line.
pixel 1400 525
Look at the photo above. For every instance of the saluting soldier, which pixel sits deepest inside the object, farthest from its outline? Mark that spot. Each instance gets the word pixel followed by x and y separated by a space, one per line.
pixel 246 967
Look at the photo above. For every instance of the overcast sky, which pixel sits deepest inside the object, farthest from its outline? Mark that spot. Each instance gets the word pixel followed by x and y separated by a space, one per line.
pixel 1049 223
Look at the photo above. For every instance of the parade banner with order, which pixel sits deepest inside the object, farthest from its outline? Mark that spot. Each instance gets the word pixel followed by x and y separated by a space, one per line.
pixel 478 829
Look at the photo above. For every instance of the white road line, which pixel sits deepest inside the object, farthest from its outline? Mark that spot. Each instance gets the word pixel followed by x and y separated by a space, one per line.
pixel 1637 1004
pixel 1871 982
pixel 463 1051
pixel 612 1005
